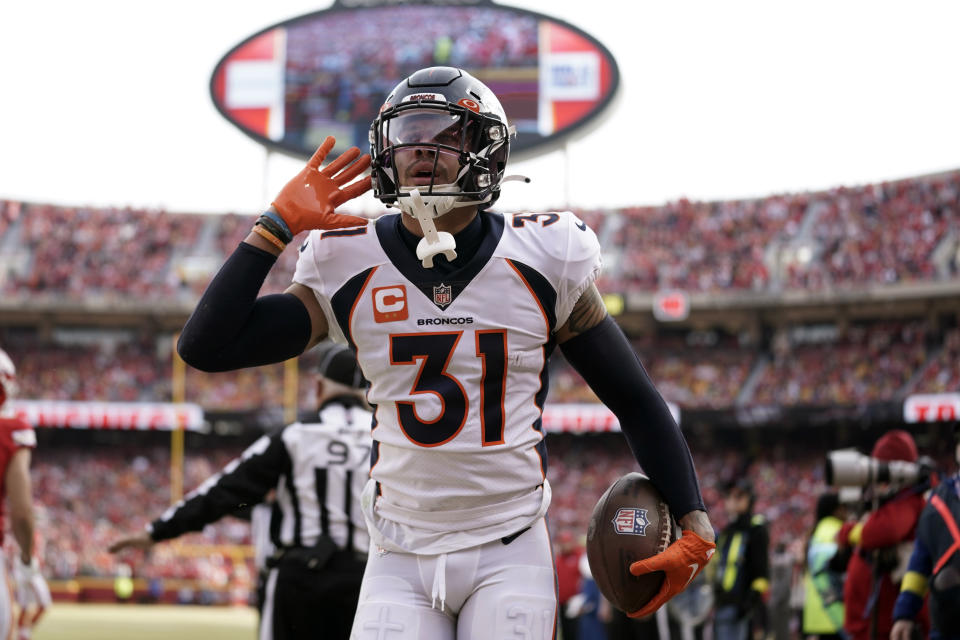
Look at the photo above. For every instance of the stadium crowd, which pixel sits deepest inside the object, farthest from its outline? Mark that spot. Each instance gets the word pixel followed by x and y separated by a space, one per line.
pixel 697 370
pixel 884 234
pixel 704 246
pixel 942 373
pixel 84 497
pixel 804 365
pixel 70 257
pixel 887 233
pixel 879 234
pixel 864 363
pixel 115 366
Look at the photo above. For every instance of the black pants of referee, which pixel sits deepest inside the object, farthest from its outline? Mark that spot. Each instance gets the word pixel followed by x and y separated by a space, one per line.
pixel 302 603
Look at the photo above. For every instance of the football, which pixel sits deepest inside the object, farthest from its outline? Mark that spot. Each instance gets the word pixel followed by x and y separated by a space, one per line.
pixel 630 522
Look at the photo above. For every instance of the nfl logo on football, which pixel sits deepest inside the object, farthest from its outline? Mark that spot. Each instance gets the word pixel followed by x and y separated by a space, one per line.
pixel 631 522
pixel 442 295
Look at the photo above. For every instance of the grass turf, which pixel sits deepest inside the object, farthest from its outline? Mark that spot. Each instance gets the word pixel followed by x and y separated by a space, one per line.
pixel 146 622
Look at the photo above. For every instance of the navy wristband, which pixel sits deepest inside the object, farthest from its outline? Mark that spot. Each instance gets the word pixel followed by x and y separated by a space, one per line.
pixel 278 227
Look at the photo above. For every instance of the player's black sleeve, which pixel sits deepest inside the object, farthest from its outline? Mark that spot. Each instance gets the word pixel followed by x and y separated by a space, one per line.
pixel 245 481
pixel 231 328
pixel 605 359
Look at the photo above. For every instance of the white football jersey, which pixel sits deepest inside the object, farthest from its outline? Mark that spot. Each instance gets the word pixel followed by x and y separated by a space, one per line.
pixel 457 366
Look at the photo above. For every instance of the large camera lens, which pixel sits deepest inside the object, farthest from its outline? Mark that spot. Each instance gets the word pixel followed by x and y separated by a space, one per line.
pixel 847 468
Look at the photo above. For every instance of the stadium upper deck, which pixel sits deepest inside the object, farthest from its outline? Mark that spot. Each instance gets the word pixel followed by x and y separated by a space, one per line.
pixel 901 236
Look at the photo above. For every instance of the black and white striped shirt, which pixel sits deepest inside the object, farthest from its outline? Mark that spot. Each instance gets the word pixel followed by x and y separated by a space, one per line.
pixel 318 470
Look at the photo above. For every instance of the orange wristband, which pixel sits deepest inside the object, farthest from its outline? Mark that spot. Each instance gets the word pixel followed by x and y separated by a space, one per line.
pixel 269 237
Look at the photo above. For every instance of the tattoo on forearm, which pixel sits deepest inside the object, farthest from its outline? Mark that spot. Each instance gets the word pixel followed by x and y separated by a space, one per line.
pixel 588 312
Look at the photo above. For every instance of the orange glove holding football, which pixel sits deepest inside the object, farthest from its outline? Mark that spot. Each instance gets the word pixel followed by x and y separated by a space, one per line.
pixel 680 563
pixel 308 200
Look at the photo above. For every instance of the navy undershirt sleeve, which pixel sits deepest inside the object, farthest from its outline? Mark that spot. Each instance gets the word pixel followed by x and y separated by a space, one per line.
pixel 232 328
pixel 608 363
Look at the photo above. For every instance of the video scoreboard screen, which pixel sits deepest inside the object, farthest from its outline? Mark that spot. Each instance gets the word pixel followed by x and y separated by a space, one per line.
pixel 327 73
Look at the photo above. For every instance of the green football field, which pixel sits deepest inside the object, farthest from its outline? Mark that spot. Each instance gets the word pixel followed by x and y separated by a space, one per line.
pixel 146 622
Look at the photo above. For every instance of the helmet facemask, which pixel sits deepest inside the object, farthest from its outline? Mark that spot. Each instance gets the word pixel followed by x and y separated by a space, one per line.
pixel 451 155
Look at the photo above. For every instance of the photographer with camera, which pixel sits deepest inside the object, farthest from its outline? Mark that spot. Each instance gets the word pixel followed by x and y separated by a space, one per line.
pixel 896 484
pixel 934 564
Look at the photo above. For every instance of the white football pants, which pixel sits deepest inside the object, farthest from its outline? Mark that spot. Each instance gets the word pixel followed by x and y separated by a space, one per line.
pixel 495 591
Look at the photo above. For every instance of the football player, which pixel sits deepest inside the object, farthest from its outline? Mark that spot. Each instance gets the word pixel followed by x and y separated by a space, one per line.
pixel 17 438
pixel 453 312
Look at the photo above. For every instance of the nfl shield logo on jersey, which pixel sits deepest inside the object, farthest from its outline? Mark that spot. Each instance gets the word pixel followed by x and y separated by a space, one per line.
pixel 631 521
pixel 442 295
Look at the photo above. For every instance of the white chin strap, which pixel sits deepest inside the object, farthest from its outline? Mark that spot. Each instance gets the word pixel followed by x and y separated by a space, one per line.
pixel 425 210
pixel 433 242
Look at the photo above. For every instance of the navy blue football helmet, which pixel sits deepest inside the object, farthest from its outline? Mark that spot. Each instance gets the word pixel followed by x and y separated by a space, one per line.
pixel 441 112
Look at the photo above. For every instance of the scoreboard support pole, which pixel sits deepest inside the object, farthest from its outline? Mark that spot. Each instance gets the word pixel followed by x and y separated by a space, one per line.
pixel 265 194
pixel 179 387
pixel 291 386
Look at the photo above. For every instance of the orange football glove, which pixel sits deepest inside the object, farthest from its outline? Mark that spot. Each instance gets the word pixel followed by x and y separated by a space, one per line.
pixel 680 563
pixel 308 200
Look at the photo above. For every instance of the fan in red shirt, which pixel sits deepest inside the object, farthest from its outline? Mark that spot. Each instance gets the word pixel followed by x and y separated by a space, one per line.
pixel 869 598
pixel 17 438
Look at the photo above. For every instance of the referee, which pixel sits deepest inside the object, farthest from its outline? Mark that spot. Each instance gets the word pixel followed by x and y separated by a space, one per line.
pixel 317 471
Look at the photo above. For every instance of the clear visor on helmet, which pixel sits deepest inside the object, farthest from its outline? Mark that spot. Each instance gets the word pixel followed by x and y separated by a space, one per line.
pixel 426 126
pixel 422 147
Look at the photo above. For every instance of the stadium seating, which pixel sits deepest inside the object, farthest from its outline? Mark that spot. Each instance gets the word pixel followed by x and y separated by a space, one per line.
pixel 942 371
pixel 862 364
pixel 817 365
pixel 698 246
pixel 886 233
pixel 863 238
pixel 88 498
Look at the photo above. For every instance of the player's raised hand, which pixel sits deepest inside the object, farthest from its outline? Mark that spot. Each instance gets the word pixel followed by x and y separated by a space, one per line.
pixel 680 563
pixel 137 541
pixel 309 199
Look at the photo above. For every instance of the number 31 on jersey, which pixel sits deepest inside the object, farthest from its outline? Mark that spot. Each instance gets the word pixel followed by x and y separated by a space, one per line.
pixel 432 351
